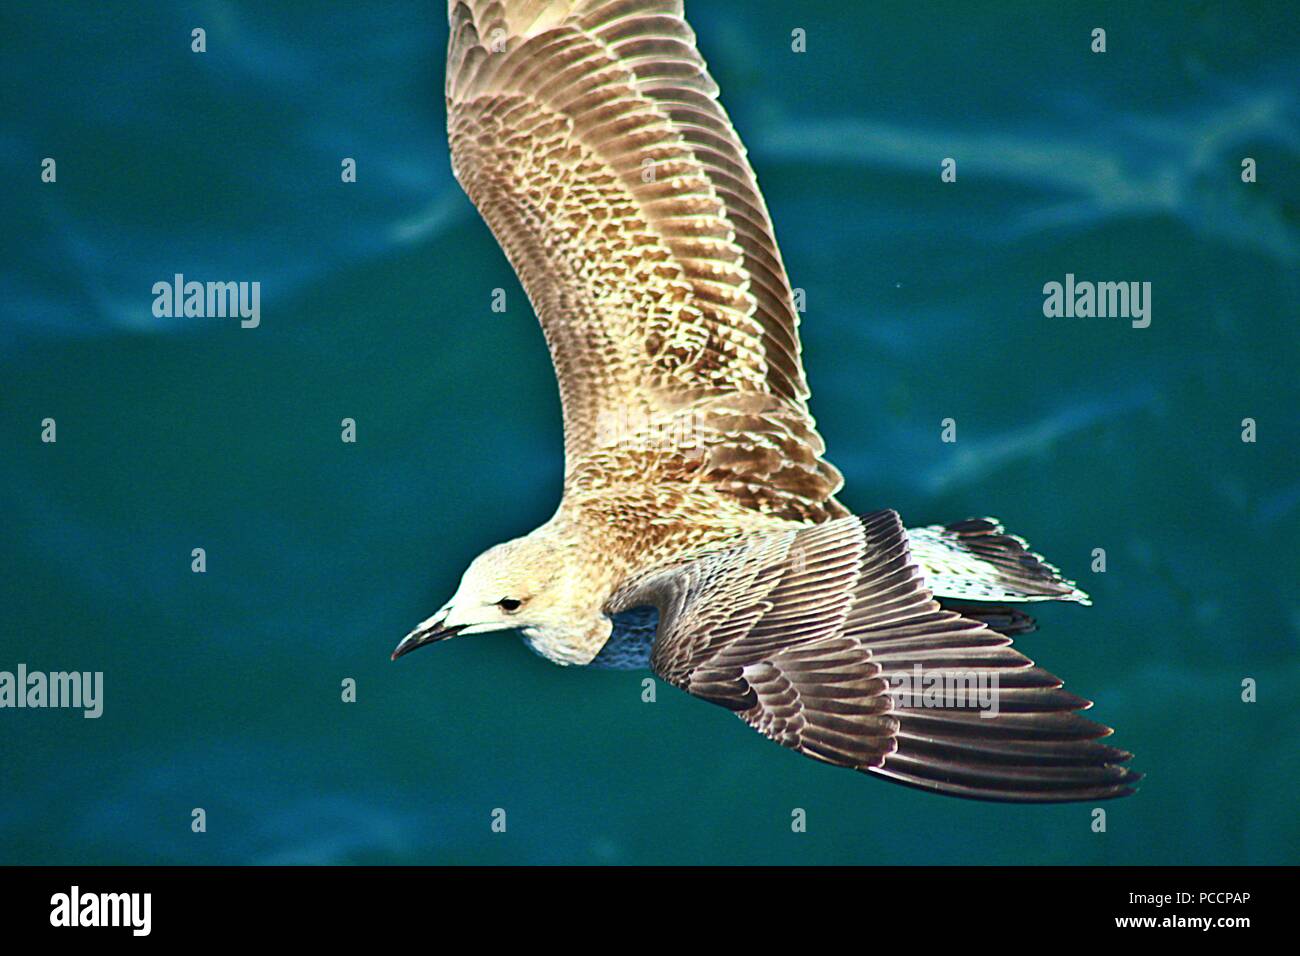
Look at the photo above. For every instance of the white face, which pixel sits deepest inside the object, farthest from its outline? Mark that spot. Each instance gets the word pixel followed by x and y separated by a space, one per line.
pixel 494 593
pixel 489 598
pixel 513 585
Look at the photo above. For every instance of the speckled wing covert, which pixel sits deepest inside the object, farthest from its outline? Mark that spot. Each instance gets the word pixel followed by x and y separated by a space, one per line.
pixel 813 637
pixel 589 135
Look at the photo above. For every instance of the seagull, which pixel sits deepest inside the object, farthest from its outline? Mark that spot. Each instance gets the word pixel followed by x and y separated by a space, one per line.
pixel 699 534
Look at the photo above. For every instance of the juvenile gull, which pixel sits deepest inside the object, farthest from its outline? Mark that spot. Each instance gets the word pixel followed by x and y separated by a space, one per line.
pixel 699 533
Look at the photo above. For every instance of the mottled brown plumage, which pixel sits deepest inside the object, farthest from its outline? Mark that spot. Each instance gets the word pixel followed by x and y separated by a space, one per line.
pixel 589 135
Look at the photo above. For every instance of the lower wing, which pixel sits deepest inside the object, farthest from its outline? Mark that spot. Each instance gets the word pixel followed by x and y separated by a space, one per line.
pixel 829 640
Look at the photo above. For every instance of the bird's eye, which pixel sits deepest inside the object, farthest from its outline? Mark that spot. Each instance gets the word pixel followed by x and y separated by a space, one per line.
pixel 509 604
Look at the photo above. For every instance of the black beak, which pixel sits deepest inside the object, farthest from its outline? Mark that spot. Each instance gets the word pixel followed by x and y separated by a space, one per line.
pixel 425 635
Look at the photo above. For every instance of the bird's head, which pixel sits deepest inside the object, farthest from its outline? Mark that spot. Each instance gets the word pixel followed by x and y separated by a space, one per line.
pixel 533 584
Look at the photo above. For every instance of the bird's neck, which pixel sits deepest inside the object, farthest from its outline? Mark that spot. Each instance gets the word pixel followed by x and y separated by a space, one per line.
pixel 576 643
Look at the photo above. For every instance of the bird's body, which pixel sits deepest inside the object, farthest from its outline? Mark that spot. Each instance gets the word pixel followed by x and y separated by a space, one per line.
pixel 699 532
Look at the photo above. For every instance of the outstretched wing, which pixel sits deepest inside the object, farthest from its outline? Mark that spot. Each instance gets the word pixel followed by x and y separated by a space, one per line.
pixel 588 134
pixel 826 640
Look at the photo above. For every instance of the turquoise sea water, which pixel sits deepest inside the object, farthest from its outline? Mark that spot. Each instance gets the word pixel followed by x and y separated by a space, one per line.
pixel 222 690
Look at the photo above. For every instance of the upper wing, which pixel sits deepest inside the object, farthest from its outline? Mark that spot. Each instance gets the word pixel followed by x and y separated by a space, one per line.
pixel 826 640
pixel 588 134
